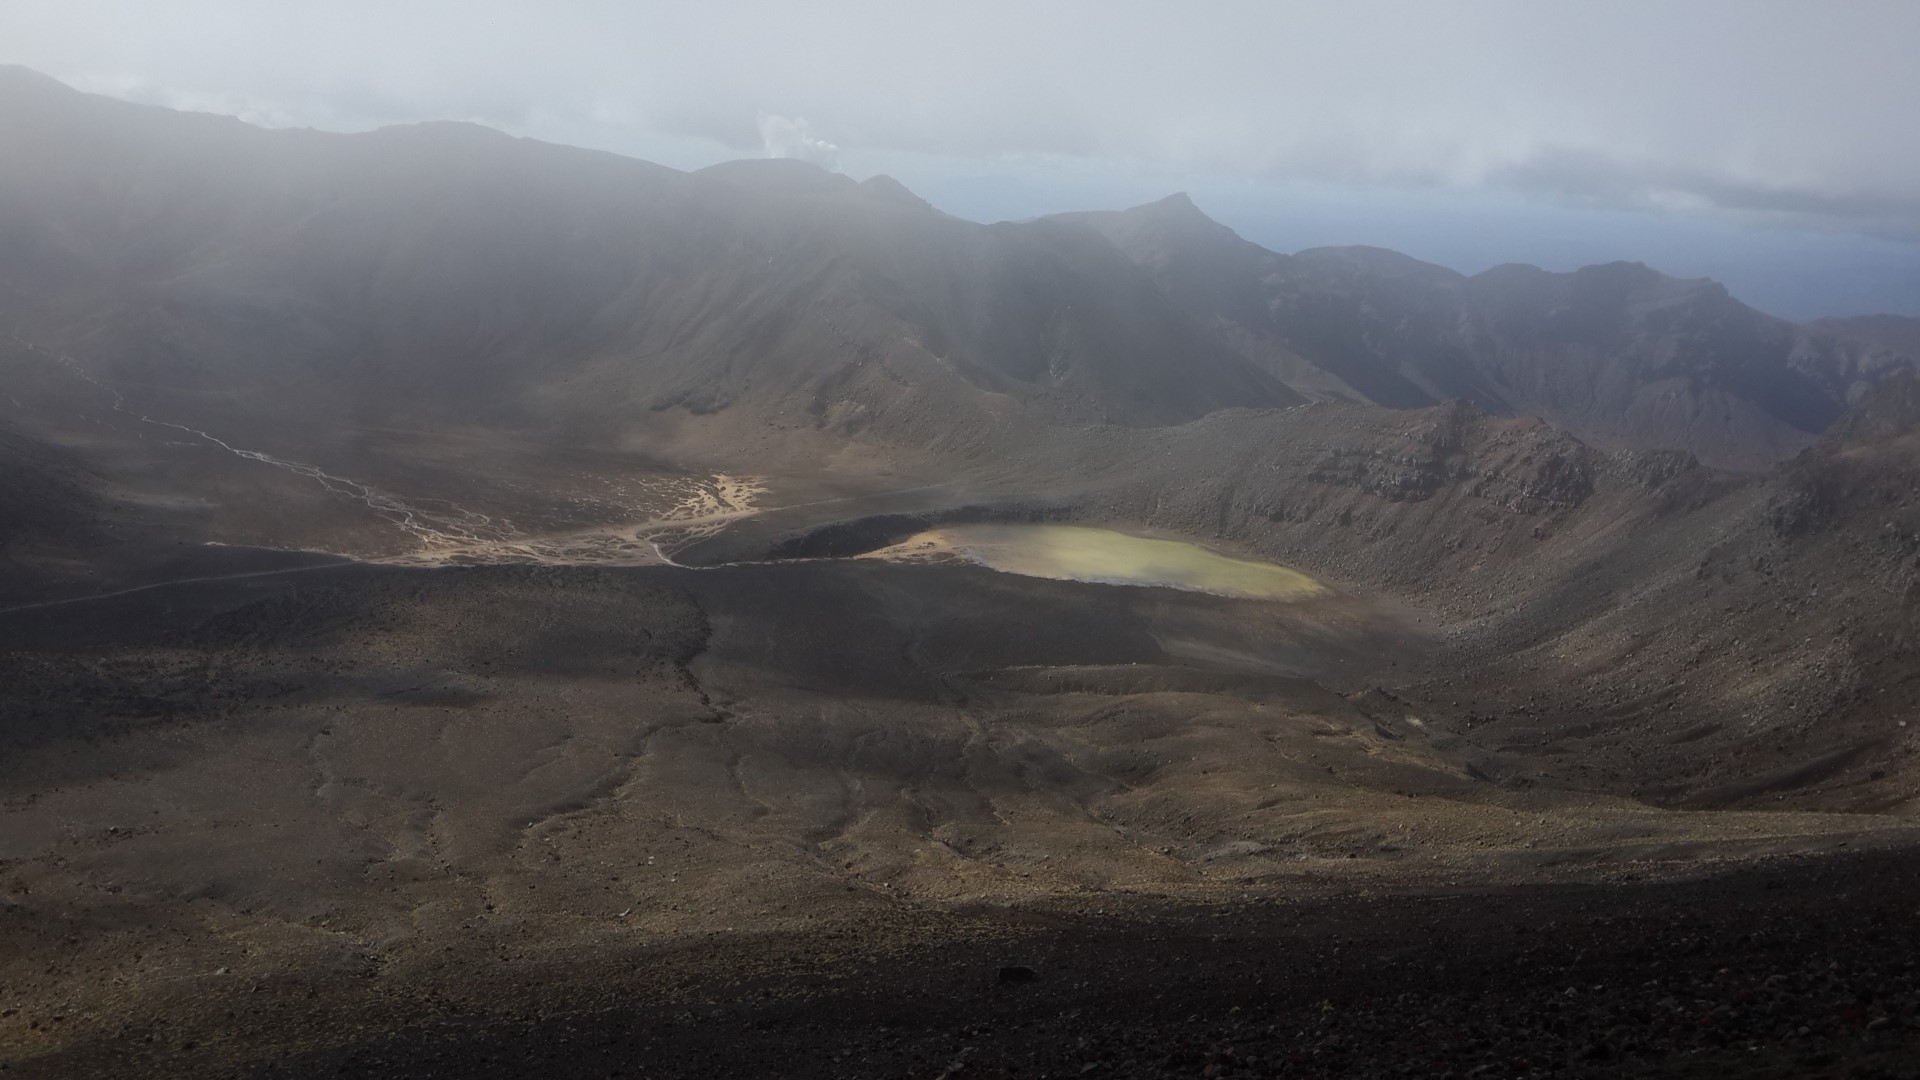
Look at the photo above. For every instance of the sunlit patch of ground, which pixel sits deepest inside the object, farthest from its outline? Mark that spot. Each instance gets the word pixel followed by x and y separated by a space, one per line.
pixel 667 514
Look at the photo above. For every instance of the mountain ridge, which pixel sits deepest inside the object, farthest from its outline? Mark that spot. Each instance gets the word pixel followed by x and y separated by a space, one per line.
pixel 550 245
pixel 1618 353
pixel 507 268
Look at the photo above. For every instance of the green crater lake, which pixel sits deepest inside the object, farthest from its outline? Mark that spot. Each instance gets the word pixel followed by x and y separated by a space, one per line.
pixel 1078 553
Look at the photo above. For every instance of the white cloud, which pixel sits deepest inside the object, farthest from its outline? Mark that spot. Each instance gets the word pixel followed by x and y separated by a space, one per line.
pixel 783 137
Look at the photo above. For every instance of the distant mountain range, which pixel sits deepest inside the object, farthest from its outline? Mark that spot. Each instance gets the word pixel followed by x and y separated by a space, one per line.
pixel 446 273
pixel 1618 354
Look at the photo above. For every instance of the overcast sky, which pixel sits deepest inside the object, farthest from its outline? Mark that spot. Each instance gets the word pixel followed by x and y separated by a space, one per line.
pixel 1774 145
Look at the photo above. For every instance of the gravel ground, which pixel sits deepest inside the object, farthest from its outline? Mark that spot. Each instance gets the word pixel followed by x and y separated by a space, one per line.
pixel 1805 967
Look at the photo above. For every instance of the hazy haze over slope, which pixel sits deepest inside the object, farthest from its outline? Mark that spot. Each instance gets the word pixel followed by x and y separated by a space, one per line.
pixel 446 260
pixel 465 275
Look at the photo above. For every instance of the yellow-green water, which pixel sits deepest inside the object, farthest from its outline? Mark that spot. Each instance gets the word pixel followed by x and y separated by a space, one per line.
pixel 1077 553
